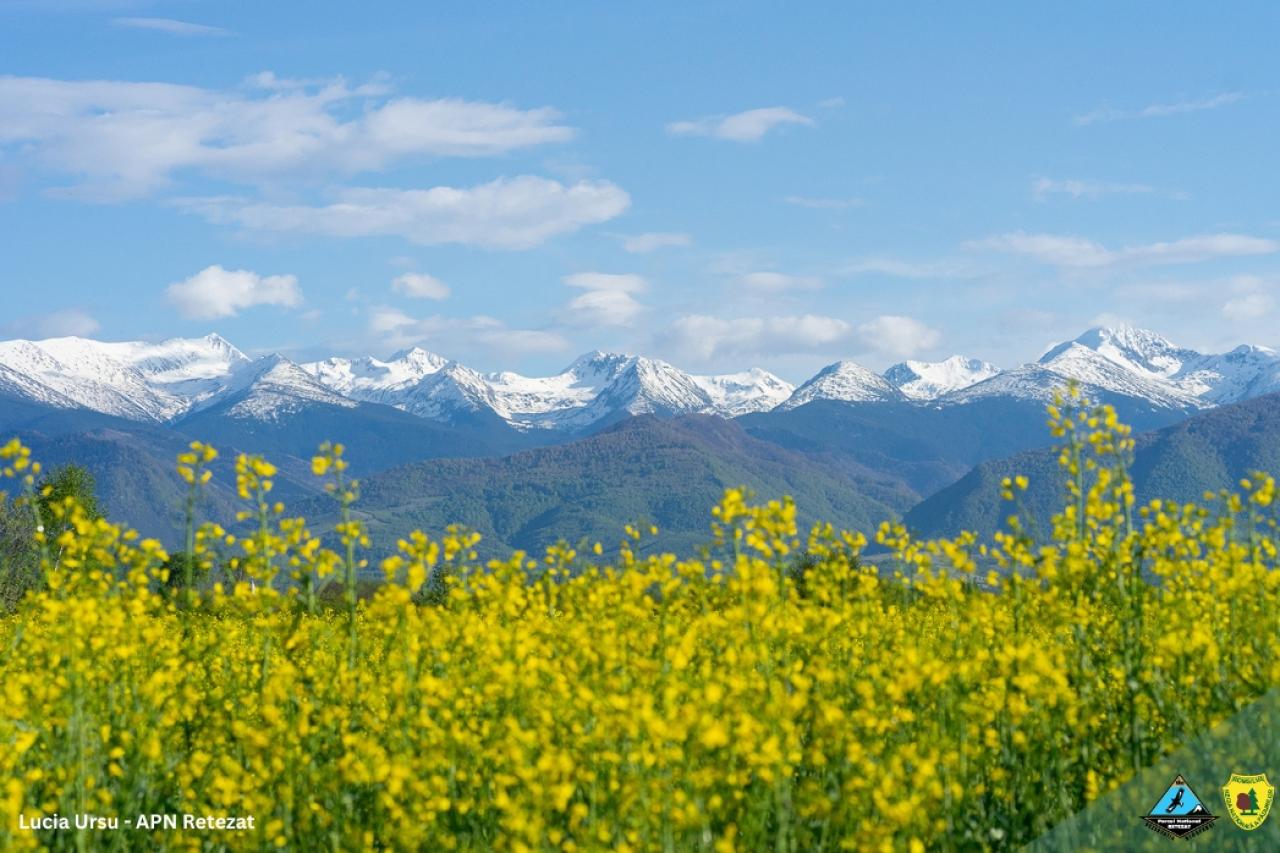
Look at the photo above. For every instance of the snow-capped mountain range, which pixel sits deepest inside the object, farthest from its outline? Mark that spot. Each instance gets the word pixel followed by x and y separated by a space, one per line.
pixel 164 382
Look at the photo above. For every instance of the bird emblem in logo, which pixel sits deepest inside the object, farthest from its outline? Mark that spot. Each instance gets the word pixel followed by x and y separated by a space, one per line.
pixel 1179 813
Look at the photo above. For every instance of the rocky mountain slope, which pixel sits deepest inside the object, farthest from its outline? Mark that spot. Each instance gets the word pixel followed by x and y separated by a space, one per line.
pixel 164 382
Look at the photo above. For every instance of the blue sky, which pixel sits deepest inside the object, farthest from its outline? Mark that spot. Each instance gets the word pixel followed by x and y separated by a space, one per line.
pixel 718 184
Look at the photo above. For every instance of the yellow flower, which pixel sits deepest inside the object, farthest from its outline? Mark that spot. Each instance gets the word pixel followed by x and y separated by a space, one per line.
pixel 575 700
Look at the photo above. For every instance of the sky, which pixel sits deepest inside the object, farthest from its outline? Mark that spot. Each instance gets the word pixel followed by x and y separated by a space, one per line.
pixel 718 184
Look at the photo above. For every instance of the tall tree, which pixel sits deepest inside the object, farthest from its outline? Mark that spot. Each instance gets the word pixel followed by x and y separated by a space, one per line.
pixel 18 562
pixel 68 481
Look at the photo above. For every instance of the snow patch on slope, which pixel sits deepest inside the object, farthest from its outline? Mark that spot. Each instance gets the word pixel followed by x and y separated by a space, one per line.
pixel 1097 375
pixel 373 380
pixel 923 380
pixel 276 388
pixel 161 382
pixel 753 390
pixel 847 381
pixel 1243 373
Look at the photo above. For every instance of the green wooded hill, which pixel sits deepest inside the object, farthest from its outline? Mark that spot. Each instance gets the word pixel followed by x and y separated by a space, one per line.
pixel 133 464
pixel 852 464
pixel 378 436
pixel 134 478
pixel 926 447
pixel 645 469
pixel 1207 452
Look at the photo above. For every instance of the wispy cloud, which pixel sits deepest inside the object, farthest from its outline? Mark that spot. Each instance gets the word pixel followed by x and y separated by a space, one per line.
pixel 644 243
pixel 821 203
pixel 509 213
pixel 707 337
pixel 609 299
pixel 1108 113
pixel 896 268
pixel 56 324
pixel 748 126
pixel 772 283
pixel 1081 253
pixel 1251 300
pixel 480 333
pixel 897 336
pixel 126 139
pixel 417 285
pixel 170 26
pixel 1043 188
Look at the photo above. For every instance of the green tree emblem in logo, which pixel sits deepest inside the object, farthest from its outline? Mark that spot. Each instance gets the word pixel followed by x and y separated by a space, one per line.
pixel 1248 799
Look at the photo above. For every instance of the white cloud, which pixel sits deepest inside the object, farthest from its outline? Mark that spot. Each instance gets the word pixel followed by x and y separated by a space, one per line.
pixel 710 337
pixel 1160 110
pixel 509 213
pixel 643 243
pixel 903 269
pixel 215 292
pixel 776 282
pixel 1155 294
pixel 170 26
pixel 384 321
pixel 420 286
pixel 1251 301
pixel 1051 249
pixel 1078 252
pixel 897 337
pixel 70 322
pixel 1248 306
pixel 609 299
pixel 458 334
pixel 820 203
pixel 624 283
pixel 748 126
pixel 1042 188
pixel 127 139
pixel 603 308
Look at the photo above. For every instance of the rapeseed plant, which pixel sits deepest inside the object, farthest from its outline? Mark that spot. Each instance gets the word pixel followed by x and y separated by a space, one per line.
pixel 964 694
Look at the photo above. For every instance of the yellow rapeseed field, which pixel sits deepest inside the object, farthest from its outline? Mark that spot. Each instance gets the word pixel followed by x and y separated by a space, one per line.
pixel 777 692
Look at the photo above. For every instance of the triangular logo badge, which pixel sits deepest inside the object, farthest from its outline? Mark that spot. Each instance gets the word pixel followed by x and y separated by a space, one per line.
pixel 1179 813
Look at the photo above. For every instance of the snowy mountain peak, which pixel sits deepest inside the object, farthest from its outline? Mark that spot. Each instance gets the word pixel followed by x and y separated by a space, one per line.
pixel 272 362
pixel 753 390
pixel 1242 373
pixel 662 387
pixel 646 386
pixel 1100 378
pixel 161 382
pixel 597 366
pixel 97 376
pixel 1135 349
pixel 847 381
pixel 372 380
pixel 218 342
pixel 275 386
pixel 417 357
pixel 195 371
pixel 923 380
